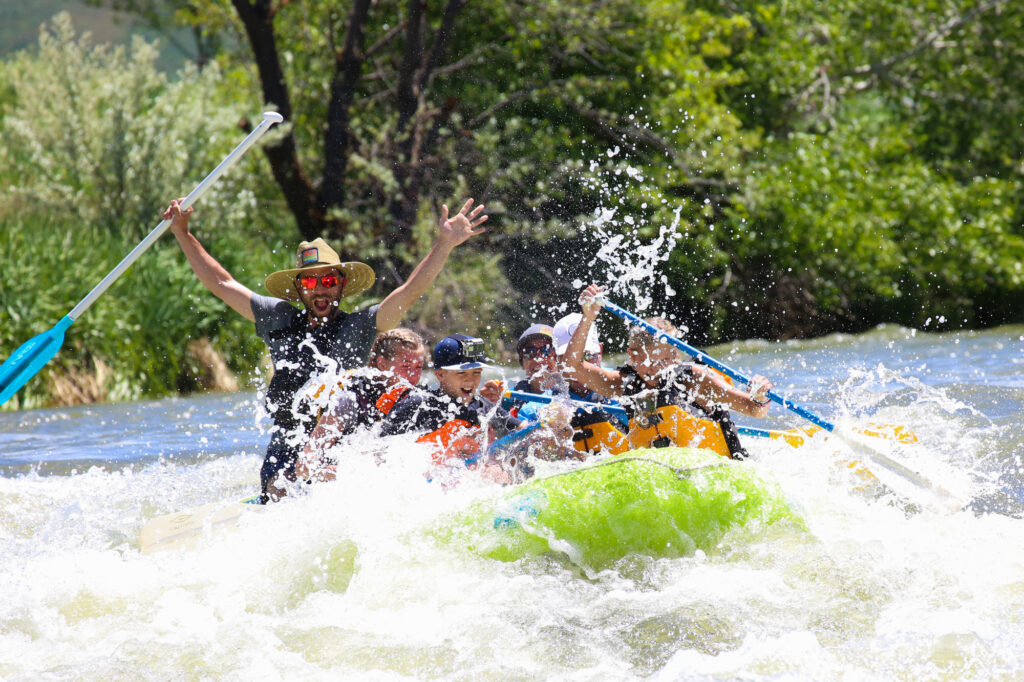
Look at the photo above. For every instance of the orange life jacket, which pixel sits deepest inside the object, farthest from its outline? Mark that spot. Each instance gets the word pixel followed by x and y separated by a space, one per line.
pixel 388 399
pixel 455 438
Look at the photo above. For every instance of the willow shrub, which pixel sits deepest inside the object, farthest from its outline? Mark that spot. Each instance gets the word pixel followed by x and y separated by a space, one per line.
pixel 94 142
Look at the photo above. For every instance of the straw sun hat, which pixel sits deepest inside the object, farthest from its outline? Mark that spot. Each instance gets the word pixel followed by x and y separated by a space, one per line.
pixel 316 254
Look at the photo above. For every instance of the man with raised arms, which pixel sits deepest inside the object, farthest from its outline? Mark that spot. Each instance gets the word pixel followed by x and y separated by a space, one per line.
pixel 302 342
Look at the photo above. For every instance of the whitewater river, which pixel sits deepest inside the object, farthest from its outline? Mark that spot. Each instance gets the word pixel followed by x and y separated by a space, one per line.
pixel 348 581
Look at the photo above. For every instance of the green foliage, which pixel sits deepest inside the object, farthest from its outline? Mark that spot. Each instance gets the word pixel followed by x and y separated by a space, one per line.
pixel 869 231
pixel 140 329
pixel 97 133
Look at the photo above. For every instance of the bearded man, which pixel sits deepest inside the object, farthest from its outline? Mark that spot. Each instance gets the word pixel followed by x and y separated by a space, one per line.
pixel 304 342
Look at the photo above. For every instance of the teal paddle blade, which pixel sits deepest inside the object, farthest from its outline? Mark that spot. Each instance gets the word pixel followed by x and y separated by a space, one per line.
pixel 30 357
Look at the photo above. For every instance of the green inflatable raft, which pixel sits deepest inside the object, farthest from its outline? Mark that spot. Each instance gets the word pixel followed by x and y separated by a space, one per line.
pixel 665 502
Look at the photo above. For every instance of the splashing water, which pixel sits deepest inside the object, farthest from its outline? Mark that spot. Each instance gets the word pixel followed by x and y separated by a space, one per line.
pixel 349 580
pixel 632 262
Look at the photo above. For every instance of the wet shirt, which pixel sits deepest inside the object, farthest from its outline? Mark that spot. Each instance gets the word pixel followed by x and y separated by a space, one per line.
pixel 374 396
pixel 673 388
pixel 299 352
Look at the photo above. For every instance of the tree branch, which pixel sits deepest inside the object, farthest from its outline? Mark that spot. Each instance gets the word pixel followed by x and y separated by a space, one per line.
pixel 926 41
pixel 511 99
pixel 441 40
pixel 384 40
pixel 407 95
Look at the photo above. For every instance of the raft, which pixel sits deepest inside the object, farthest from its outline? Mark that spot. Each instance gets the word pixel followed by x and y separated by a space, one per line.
pixel 662 503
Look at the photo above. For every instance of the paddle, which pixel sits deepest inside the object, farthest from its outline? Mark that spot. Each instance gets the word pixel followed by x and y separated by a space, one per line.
pixel 947 500
pixel 617 411
pixel 32 355
pixel 513 437
pixel 614 410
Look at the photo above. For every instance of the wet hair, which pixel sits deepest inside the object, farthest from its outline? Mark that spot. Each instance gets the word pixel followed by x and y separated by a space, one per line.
pixel 643 340
pixel 388 345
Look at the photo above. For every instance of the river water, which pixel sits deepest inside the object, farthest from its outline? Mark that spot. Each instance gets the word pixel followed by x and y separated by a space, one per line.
pixel 347 581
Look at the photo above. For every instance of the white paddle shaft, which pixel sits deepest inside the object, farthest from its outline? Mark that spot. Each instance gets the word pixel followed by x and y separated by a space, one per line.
pixel 269 119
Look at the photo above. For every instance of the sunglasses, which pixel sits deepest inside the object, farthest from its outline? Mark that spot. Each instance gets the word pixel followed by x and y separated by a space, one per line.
pixel 591 357
pixel 544 351
pixel 308 282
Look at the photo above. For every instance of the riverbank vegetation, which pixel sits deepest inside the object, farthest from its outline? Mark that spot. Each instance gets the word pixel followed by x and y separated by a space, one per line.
pixel 799 168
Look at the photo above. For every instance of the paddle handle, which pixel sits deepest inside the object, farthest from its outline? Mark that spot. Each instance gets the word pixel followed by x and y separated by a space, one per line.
pixel 269 119
pixel 715 364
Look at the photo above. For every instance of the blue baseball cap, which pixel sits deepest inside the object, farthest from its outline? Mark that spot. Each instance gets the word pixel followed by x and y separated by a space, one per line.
pixel 459 351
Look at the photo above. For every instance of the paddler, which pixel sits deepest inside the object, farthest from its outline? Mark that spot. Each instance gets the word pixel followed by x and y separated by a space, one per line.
pixel 536 352
pixel 654 377
pixel 362 398
pixel 595 431
pixel 456 421
pixel 303 342
pixel 540 348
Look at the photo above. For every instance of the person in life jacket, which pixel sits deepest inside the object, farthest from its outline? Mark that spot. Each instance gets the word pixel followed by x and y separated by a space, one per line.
pixel 538 356
pixel 655 377
pixel 537 359
pixel 362 398
pixel 596 431
pixel 454 419
pixel 319 336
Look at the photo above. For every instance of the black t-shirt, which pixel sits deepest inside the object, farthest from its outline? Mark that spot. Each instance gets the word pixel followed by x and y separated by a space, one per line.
pixel 673 388
pixel 299 352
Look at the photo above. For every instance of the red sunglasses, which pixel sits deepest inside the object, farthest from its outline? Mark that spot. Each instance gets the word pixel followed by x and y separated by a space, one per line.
pixel 308 282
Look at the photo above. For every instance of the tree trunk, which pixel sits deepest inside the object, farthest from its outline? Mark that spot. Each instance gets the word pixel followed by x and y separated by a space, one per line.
pixel 258 19
pixel 348 68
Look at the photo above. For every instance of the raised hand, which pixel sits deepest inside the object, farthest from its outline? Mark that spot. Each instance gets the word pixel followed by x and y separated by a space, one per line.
pixel 461 226
pixel 590 300
pixel 179 218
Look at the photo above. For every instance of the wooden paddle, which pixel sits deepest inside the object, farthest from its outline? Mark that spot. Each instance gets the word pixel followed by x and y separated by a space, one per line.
pixel 889 471
pixel 32 355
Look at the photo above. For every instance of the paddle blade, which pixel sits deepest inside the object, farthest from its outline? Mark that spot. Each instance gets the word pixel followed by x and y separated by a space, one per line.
pixel 30 357
pixel 911 484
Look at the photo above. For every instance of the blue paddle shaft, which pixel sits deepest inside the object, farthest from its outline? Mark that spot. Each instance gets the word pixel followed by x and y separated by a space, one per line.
pixel 513 437
pixel 715 364
pixel 613 410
